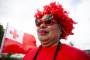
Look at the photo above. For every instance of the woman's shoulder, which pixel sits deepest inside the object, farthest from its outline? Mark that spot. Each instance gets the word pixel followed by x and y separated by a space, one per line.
pixel 74 52
pixel 71 49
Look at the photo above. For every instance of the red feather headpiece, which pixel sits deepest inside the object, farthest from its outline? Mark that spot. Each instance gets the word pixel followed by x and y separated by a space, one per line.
pixel 66 23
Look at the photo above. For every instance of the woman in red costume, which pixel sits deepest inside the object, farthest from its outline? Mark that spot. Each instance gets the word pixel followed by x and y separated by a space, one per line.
pixel 53 24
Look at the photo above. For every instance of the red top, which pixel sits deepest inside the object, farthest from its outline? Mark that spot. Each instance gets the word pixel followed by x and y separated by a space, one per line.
pixel 65 53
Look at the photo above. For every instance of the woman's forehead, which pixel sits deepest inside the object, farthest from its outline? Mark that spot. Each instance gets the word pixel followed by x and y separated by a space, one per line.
pixel 44 16
pixel 47 17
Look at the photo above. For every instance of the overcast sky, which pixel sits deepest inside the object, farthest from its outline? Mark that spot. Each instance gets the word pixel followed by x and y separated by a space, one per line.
pixel 20 14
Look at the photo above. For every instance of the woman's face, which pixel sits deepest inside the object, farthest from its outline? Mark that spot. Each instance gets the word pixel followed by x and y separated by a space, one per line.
pixel 48 30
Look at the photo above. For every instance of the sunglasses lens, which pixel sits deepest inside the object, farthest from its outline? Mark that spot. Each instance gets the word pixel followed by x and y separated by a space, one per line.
pixel 48 22
pixel 37 22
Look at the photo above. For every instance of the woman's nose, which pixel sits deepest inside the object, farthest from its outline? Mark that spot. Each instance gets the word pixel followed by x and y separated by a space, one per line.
pixel 43 25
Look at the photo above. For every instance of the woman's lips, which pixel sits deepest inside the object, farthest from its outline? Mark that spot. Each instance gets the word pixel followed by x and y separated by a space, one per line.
pixel 43 32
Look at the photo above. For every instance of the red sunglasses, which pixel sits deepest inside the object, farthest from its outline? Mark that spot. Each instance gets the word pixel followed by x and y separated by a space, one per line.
pixel 47 21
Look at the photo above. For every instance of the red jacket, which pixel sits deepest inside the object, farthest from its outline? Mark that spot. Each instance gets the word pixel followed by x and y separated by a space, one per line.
pixel 66 53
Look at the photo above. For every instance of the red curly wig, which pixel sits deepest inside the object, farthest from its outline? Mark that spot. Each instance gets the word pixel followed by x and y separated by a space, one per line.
pixel 66 23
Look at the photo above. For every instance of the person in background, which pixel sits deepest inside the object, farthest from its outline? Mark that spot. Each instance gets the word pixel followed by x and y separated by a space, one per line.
pixel 54 24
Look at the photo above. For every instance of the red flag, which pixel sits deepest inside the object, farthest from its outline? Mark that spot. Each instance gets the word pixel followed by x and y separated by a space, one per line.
pixel 16 41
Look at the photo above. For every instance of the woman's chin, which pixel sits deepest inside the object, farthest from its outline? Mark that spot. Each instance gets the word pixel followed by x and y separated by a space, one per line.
pixel 43 38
